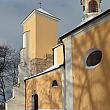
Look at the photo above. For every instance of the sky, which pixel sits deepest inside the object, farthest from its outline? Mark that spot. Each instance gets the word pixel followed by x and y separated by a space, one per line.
pixel 13 12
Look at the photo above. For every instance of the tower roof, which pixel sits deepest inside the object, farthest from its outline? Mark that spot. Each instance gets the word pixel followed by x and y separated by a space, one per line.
pixel 40 11
pixel 43 11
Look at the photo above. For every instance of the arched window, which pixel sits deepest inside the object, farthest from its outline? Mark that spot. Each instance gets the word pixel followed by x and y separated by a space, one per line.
pixel 54 83
pixel 93 6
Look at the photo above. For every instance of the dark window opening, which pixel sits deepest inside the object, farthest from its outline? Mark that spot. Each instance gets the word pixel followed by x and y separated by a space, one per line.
pixel 35 102
pixel 93 6
pixel 83 8
pixel 94 58
pixel 54 83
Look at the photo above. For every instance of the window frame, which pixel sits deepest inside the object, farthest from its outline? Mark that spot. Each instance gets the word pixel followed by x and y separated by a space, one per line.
pixel 89 52
pixel 53 82
pixel 93 6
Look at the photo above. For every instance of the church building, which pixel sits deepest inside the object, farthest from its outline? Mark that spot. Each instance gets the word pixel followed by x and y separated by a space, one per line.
pixel 79 77
pixel 39 36
pixel 70 72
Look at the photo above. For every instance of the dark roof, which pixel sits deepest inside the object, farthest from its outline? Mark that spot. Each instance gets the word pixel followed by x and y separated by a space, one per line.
pixel 86 23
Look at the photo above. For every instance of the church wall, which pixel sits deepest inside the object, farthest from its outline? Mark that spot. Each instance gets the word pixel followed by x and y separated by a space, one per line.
pixel 40 38
pixel 30 27
pixel 58 53
pixel 46 35
pixel 48 97
pixel 91 85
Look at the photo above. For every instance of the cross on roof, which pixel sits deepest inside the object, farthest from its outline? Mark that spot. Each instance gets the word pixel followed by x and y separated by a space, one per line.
pixel 40 3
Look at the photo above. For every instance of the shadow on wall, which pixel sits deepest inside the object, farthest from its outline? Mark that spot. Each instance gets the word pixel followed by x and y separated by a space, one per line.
pixel 48 97
pixel 92 86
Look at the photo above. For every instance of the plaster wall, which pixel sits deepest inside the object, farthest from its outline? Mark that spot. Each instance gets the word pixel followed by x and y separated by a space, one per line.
pixel 41 39
pixel 68 81
pixel 58 55
pixel 91 86
pixel 48 97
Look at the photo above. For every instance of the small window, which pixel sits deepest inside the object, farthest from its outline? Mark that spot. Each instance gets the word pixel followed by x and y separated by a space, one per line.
pixel 54 83
pixel 93 6
pixel 93 58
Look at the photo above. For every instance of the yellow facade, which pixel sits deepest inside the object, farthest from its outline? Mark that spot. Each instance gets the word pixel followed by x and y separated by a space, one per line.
pixel 58 52
pixel 48 97
pixel 41 39
pixel 92 86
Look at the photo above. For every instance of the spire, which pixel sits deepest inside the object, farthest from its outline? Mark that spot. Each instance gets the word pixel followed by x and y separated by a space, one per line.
pixel 91 8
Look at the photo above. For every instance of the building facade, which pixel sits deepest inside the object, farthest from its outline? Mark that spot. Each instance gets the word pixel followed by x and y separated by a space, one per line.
pixel 36 54
pixel 75 75
pixel 80 81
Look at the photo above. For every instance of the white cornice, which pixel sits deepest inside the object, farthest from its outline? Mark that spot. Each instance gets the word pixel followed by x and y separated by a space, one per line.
pixel 28 16
pixel 42 12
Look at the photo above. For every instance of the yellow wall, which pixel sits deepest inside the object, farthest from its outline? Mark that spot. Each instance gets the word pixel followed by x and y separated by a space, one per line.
pixel 43 35
pixel 46 35
pixel 30 27
pixel 92 86
pixel 48 97
pixel 58 55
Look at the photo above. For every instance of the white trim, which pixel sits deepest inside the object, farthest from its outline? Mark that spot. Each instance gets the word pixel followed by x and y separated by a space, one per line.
pixel 40 12
pixel 57 45
pixel 28 16
pixel 50 109
pixel 46 71
pixel 63 79
pixel 89 26
pixel 24 40
pixel 68 74
pixel 55 57
pixel 6 108
pixel 44 109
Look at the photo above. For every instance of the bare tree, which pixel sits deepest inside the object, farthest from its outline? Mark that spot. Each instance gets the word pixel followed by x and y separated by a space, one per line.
pixel 9 59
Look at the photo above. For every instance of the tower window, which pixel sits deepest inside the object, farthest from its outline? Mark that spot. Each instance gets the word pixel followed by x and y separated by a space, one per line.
pixel 35 102
pixel 54 83
pixel 93 6
pixel 93 58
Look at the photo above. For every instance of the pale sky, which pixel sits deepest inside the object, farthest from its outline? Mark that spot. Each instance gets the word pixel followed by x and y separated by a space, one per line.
pixel 13 12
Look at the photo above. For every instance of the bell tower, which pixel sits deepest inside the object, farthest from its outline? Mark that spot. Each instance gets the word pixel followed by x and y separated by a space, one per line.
pixel 91 8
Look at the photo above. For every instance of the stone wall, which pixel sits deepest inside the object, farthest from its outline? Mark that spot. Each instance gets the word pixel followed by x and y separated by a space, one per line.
pixel 39 64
